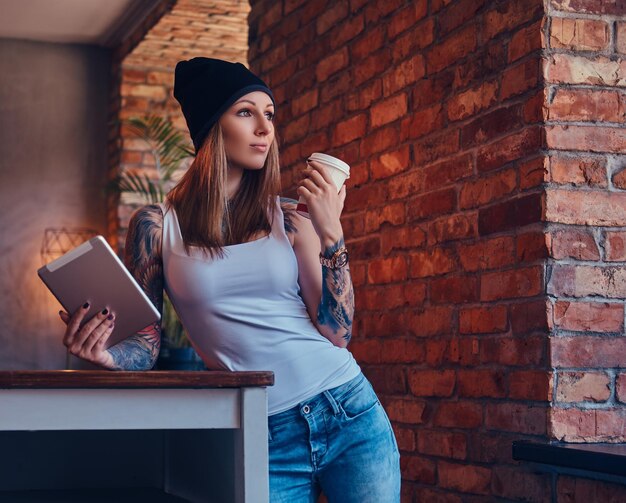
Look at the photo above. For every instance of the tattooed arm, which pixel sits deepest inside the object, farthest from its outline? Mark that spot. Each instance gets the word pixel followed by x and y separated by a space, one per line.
pixel 328 294
pixel 142 257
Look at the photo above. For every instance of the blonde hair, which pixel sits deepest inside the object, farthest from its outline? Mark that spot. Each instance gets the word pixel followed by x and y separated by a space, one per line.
pixel 207 218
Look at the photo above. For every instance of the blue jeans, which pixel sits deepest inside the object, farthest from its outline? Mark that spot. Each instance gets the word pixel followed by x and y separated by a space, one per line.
pixel 339 441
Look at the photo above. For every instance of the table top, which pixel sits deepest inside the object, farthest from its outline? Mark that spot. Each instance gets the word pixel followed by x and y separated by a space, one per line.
pixel 36 379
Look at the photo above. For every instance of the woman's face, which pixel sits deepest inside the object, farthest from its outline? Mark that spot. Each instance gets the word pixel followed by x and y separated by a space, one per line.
pixel 248 130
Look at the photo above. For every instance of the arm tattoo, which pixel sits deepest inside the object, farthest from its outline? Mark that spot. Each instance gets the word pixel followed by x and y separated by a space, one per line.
pixel 336 309
pixel 289 210
pixel 142 257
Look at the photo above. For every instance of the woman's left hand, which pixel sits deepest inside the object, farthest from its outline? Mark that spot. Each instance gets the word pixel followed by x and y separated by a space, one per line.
pixel 324 203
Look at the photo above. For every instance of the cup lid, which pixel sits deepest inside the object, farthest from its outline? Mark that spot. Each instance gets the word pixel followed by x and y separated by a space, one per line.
pixel 333 161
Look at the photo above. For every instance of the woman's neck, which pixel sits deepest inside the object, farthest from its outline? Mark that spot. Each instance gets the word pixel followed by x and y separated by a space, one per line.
pixel 233 181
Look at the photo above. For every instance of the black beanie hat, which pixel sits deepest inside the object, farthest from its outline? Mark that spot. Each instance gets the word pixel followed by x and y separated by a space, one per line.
pixel 206 87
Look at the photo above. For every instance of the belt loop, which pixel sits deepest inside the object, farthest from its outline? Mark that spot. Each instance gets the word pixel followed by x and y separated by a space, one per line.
pixel 332 401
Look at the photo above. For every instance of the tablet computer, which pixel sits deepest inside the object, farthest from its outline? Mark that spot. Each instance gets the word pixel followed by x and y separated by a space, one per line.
pixel 93 272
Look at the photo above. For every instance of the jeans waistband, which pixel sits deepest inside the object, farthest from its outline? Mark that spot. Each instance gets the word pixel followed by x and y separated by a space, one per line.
pixel 326 400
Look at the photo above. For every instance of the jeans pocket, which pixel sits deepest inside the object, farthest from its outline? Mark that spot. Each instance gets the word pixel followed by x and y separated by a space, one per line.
pixel 358 402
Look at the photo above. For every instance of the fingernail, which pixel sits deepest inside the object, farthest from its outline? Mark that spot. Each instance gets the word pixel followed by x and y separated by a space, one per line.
pixel 105 311
pixel 110 317
pixel 85 305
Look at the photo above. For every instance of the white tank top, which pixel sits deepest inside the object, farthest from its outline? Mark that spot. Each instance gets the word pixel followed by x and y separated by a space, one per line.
pixel 243 312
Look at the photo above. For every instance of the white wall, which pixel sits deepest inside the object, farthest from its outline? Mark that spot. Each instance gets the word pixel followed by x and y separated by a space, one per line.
pixel 53 134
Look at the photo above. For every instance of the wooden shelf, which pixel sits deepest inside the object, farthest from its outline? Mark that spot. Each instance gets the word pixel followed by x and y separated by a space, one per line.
pixel 125 495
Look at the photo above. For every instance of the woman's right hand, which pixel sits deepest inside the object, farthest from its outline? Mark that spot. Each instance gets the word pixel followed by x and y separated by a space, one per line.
pixel 87 342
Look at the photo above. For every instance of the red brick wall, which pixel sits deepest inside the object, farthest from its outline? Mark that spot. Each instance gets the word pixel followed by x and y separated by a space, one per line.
pixel 451 113
pixel 585 75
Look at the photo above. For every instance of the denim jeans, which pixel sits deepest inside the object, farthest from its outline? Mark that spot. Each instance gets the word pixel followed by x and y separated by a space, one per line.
pixel 339 441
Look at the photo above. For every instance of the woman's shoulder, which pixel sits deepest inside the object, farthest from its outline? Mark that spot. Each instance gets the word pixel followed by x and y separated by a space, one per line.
pixel 291 217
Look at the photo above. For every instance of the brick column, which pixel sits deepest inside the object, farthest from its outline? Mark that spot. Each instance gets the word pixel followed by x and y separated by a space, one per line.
pixel 586 212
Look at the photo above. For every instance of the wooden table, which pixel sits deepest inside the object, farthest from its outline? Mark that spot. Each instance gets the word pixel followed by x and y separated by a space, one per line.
pixel 121 431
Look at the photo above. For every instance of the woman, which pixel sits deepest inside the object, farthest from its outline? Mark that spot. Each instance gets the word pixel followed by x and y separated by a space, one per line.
pixel 258 287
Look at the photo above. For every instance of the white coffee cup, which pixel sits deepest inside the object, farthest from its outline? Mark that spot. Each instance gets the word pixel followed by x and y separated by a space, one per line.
pixel 338 170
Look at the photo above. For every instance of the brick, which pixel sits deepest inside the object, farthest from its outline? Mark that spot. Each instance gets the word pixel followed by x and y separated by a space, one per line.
pixel 422 122
pixel 573 243
pixel 461 414
pixel 406 17
pixel 531 246
pixel 332 15
pixel 305 102
pixel 388 110
pixel 380 140
pixel 433 89
pixel 346 31
pixel 447 172
pixel 390 163
pixel 387 270
pixel 451 50
pixel 454 290
pixel 587 105
pixel 525 282
pixel 489 59
pixel 405 438
pixel 619 179
pixel 511 214
pixel 431 382
pixel 477 193
pixel 581 281
pixel 371 67
pixel 620 387
pixel 611 7
pixel 157 93
pixel 588 351
pixel 579 171
pixel 481 383
pixel 435 147
pixel 350 129
pixel 375 11
pixel 468 103
pixel 372 39
pixel 490 126
pixel 585 207
pixel 392 324
pixel 296 129
pixel 517 417
pixel 576 489
pixel 442 444
pixel 417 38
pixel 578 34
pixel 506 16
pixel 130 75
pixel 587 138
pixel 363 249
pixel 418 469
pixel 533 385
pixel 365 96
pixel 487 254
pixel 615 246
pixel 518 484
pixel 583 387
pixel 620 35
pixel 595 425
pixel 402 186
pixel 515 146
pixel 589 316
pixel 336 86
pixel 452 228
pixel 483 320
pixel 435 320
pixel 518 351
pixel 525 41
pixel 392 213
pixel 459 13
pixel 464 478
pixel 431 204
pixel 432 262
pixel 520 78
pixel 571 69
pixel 401 238
pixel 331 64
pixel 405 411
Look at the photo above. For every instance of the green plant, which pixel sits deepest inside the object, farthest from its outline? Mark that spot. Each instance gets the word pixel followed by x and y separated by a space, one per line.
pixel 169 149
